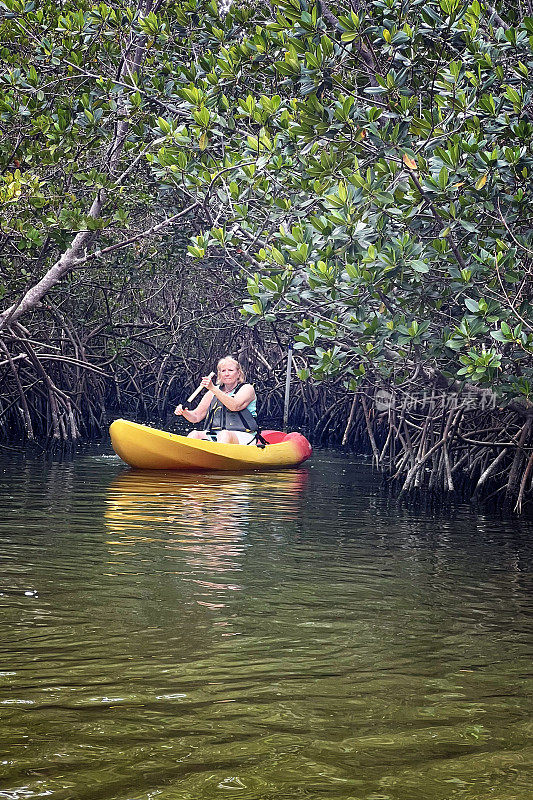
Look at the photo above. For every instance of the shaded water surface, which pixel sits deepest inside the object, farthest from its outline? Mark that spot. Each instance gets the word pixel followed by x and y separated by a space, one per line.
pixel 282 635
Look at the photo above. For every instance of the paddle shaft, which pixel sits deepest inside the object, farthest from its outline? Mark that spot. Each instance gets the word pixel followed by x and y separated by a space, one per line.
pixel 198 390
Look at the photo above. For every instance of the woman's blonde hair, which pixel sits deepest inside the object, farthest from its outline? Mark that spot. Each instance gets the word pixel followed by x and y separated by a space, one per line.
pixel 235 363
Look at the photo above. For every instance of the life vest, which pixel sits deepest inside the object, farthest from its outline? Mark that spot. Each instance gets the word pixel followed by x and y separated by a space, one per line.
pixel 220 418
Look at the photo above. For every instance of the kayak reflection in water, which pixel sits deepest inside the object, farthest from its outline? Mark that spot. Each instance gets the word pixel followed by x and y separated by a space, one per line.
pixel 228 407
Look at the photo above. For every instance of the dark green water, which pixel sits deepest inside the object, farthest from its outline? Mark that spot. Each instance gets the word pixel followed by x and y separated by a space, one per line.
pixel 282 635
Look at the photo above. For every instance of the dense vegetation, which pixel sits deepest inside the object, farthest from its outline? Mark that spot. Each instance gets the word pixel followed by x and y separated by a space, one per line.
pixel 364 168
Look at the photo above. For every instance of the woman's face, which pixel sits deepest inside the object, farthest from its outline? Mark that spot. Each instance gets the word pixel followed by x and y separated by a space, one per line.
pixel 228 373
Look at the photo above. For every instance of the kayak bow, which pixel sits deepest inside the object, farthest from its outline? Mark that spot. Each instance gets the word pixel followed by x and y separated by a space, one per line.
pixel 149 448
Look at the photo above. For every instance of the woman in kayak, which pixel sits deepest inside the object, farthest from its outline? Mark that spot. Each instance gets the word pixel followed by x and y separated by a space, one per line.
pixel 228 407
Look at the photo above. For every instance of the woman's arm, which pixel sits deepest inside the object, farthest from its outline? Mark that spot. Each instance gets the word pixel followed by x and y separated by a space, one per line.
pixel 197 414
pixel 239 401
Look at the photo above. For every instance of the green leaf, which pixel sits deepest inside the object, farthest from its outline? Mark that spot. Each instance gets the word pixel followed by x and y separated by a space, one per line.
pixel 454 344
pixel 472 305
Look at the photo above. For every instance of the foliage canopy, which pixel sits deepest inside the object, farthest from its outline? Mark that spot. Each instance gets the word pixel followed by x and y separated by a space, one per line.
pixel 369 167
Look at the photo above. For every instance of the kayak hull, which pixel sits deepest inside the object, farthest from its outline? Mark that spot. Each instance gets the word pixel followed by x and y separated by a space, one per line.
pixel 149 448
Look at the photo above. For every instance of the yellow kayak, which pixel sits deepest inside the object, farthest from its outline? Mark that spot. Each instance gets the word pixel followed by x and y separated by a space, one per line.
pixel 148 448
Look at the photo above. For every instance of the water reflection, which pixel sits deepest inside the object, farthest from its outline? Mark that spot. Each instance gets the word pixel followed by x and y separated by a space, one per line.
pixel 202 519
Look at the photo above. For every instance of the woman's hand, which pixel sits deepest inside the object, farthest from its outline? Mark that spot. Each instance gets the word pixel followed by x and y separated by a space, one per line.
pixel 207 382
pixel 178 411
